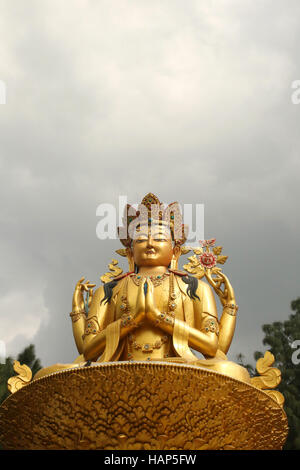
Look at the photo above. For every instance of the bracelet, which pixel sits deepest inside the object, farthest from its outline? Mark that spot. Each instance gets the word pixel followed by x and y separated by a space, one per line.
pixel 163 317
pixel 211 325
pixel 233 308
pixel 76 315
pixel 91 327
pixel 77 310
pixel 127 320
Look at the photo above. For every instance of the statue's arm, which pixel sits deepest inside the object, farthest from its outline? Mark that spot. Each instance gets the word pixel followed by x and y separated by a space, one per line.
pixel 203 337
pixel 78 315
pixel 94 332
pixel 227 326
pixel 94 341
pixel 203 341
pixel 206 317
pixel 228 317
pixel 78 325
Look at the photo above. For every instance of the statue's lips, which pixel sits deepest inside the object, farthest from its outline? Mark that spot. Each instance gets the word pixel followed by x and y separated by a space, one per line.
pixel 150 252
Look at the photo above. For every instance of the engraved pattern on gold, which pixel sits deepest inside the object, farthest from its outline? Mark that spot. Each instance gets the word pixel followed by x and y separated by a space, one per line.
pixel 270 377
pixel 156 280
pixel 210 324
pixel 92 327
pixel 24 377
pixel 146 347
pixel 145 405
pixel 127 320
pixel 75 316
pixel 195 267
pixel 114 271
pixel 231 309
pixel 170 216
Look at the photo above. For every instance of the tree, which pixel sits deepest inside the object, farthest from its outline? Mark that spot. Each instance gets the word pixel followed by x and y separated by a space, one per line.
pixel 6 370
pixel 279 336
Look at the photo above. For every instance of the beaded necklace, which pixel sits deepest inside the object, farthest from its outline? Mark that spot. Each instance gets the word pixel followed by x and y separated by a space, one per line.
pixel 156 280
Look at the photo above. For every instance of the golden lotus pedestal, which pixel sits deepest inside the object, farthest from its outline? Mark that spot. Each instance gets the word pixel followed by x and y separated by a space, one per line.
pixel 141 405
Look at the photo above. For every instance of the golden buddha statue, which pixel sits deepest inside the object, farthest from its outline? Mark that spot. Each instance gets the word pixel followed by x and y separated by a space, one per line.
pixel 138 383
pixel 155 312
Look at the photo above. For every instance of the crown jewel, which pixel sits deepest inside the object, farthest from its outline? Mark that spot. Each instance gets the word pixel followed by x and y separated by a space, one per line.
pixel 152 212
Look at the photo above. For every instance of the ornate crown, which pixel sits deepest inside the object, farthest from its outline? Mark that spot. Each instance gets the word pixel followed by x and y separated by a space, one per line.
pixel 152 212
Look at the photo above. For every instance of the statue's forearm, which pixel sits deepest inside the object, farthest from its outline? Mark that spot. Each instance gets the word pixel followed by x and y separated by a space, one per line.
pixel 92 348
pixel 206 344
pixel 227 326
pixel 78 326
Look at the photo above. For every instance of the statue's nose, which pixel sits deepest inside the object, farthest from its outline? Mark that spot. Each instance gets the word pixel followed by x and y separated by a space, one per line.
pixel 150 241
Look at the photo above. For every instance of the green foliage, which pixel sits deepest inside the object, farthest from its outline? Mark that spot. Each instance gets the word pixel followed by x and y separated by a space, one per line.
pixel 279 337
pixel 6 371
pixel 28 357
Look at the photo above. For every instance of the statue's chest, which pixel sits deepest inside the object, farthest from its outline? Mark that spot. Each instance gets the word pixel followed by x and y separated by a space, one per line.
pixel 128 298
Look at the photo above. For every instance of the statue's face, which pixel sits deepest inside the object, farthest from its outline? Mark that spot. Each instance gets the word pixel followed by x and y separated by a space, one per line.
pixel 153 247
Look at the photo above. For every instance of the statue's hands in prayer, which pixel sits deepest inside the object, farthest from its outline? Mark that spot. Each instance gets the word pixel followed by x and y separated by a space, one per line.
pixel 78 301
pixel 152 312
pixel 140 312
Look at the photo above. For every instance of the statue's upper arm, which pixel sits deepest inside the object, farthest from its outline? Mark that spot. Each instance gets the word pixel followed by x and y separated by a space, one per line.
pixel 96 316
pixel 96 305
pixel 206 306
pixel 208 302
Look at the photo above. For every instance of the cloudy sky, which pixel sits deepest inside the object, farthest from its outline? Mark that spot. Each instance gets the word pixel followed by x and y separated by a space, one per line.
pixel 189 100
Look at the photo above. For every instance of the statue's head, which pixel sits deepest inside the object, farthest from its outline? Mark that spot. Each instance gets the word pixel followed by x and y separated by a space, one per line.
pixel 153 234
pixel 153 246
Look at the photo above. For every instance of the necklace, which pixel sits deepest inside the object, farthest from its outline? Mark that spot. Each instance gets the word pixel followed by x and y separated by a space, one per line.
pixel 156 280
pixel 146 347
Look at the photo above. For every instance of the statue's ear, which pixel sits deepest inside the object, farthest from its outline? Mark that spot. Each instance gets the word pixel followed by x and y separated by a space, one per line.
pixel 175 257
pixel 129 254
pixel 176 251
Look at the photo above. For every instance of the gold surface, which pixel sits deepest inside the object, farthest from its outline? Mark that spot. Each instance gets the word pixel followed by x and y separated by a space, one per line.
pixel 23 378
pixel 270 377
pixel 114 271
pixel 140 405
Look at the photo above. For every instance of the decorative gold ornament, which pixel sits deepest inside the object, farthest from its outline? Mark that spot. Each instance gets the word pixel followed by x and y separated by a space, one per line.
pixel 146 347
pixel 211 324
pixel 114 271
pixel 157 280
pixel 127 320
pixel 75 316
pixel 150 211
pixel 270 377
pixel 92 327
pixel 204 259
pixel 24 377
pixel 141 406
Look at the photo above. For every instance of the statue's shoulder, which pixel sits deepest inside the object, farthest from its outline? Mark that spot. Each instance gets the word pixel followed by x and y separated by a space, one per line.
pixel 202 287
pixel 99 292
pixel 118 283
pixel 114 288
pixel 178 273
